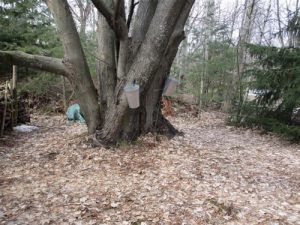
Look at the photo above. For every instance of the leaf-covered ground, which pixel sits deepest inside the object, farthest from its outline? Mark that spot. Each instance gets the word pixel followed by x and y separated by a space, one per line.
pixel 214 174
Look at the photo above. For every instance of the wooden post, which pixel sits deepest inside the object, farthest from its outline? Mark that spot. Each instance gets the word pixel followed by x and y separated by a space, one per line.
pixel 4 111
pixel 15 97
pixel 14 77
pixel 64 94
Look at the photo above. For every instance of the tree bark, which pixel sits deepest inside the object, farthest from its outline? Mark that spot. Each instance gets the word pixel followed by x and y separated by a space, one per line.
pixel 152 62
pixel 145 57
pixel 49 64
pixel 106 66
pixel 145 13
pixel 75 63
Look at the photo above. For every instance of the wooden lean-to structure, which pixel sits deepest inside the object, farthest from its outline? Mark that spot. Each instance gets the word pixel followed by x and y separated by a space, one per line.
pixel 12 107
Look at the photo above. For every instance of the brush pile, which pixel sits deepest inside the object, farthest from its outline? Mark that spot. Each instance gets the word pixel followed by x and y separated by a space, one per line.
pixel 14 113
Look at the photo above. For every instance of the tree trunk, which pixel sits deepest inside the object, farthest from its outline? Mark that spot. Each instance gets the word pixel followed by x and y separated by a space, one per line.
pixel 152 62
pixel 145 57
pixel 75 63
pixel 106 66
pixel 149 118
pixel 228 93
pixel 244 38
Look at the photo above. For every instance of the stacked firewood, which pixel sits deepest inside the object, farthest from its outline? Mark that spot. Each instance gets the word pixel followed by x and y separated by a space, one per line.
pixel 17 110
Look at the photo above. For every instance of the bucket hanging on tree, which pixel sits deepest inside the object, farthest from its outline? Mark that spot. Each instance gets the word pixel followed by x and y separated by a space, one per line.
pixel 132 92
pixel 170 86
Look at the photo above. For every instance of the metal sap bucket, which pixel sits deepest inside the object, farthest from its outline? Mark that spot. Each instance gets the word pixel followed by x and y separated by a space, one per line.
pixel 132 92
pixel 170 86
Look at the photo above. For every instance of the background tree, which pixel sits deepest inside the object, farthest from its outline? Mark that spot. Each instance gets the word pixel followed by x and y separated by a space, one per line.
pixel 26 26
pixel 244 38
pixel 276 84
pixel 209 55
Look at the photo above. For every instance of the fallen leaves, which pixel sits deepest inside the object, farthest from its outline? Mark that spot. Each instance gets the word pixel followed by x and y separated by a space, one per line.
pixel 214 174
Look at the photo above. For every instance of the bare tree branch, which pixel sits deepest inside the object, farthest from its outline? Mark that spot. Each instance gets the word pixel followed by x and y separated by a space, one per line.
pixel 279 24
pixel 117 9
pixel 48 64
pixel 114 18
pixel 131 11
pixel 105 11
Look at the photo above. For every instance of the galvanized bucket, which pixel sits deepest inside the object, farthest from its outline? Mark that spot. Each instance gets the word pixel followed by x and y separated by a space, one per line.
pixel 132 92
pixel 170 86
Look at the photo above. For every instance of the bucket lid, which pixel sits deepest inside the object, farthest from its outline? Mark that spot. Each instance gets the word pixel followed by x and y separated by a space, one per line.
pixel 131 87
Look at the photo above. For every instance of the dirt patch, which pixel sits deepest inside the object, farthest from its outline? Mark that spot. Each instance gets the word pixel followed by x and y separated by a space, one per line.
pixel 214 174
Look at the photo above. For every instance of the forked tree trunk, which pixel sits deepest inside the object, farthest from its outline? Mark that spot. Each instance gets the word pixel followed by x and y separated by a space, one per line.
pixel 145 56
pixel 152 60
pixel 148 117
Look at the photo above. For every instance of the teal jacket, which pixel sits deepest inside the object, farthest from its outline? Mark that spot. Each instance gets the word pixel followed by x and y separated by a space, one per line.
pixel 73 113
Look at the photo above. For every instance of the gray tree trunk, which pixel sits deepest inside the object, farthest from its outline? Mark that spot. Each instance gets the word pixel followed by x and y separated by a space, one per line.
pixel 244 38
pixel 144 56
pixel 106 66
pixel 75 63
